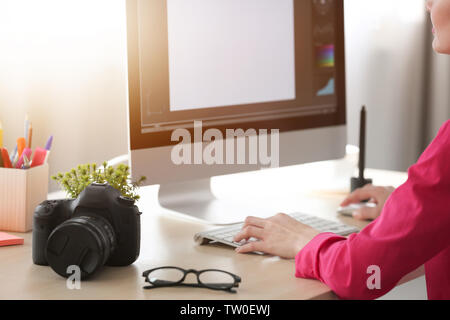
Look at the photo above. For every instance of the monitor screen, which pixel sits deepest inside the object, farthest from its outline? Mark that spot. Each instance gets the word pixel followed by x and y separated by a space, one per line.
pixel 261 64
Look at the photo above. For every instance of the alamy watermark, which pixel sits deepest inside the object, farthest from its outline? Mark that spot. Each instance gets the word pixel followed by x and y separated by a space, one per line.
pixel 221 150
pixel 374 280
pixel 74 280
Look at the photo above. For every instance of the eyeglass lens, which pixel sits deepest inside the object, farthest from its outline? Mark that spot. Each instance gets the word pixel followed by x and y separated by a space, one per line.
pixel 216 279
pixel 171 275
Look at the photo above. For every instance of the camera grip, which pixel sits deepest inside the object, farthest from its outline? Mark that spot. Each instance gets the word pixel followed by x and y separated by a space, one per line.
pixel 46 217
pixel 41 232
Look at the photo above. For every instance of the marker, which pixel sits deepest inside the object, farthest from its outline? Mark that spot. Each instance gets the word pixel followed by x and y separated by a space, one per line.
pixel 48 146
pixel 49 143
pixel 6 160
pixel 25 154
pixel 39 157
pixel 21 145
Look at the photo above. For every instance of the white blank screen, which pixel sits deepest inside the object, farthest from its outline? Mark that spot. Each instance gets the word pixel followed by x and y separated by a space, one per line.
pixel 230 52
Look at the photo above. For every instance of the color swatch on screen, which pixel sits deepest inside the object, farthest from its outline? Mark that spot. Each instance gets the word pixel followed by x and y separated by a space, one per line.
pixel 328 89
pixel 325 56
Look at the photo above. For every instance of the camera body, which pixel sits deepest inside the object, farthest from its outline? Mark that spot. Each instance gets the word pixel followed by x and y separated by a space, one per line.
pixel 100 227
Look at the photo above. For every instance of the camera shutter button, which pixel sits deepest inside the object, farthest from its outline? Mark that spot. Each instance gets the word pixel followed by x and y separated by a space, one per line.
pixel 48 206
pixel 99 184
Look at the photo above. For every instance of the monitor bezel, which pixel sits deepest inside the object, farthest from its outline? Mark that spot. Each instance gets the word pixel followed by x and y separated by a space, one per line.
pixel 144 140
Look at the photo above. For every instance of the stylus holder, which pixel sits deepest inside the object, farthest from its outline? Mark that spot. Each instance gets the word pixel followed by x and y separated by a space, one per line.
pixel 357 182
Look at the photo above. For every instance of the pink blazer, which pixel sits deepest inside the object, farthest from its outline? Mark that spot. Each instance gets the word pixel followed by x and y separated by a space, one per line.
pixel 412 230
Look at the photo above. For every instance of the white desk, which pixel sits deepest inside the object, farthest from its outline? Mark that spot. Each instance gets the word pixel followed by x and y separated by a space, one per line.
pixel 167 240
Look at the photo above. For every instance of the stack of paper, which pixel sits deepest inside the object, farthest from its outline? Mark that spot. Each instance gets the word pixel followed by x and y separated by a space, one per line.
pixel 9 240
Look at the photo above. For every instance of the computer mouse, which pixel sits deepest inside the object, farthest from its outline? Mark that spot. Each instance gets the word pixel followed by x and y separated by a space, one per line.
pixel 348 211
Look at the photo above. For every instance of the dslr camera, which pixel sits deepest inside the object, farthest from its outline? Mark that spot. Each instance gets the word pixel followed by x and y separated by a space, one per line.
pixel 100 227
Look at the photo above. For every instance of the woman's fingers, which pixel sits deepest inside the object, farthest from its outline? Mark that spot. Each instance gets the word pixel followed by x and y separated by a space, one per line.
pixel 254 221
pixel 276 236
pixel 253 228
pixel 249 232
pixel 252 246
pixel 366 213
pixel 368 192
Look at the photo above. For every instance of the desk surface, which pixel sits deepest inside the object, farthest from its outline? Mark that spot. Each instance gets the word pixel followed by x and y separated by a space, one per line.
pixel 167 240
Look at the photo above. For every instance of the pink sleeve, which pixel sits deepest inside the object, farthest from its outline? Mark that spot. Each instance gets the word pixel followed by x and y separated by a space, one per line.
pixel 412 228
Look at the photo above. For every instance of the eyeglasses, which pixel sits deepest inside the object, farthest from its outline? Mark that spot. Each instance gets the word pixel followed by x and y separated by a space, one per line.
pixel 174 277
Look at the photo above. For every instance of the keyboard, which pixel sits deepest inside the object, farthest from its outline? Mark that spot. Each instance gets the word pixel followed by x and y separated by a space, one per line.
pixel 225 235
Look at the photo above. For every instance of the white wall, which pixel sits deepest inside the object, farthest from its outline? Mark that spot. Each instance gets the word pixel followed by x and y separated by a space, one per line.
pixel 64 63
pixel 385 43
pixel 438 107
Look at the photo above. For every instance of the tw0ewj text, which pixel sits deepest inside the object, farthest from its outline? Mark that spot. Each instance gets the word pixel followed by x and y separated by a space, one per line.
pixel 227 309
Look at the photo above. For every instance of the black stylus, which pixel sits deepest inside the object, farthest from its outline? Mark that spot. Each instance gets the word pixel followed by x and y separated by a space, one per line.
pixel 360 181
pixel 362 143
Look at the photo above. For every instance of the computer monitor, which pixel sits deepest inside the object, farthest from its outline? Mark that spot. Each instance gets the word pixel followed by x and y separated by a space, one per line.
pixel 225 86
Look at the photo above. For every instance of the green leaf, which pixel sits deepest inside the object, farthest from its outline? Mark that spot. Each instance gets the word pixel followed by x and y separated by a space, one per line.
pixel 76 180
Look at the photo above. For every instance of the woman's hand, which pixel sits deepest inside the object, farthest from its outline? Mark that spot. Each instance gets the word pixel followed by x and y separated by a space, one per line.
pixel 377 195
pixel 280 235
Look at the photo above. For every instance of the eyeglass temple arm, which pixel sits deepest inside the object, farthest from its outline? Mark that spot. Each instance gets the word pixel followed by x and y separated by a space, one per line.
pixel 162 283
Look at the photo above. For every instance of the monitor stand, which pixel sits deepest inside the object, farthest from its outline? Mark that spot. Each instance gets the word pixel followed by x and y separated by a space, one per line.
pixel 196 200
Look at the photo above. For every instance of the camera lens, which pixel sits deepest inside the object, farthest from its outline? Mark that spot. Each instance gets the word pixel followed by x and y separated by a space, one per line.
pixel 85 242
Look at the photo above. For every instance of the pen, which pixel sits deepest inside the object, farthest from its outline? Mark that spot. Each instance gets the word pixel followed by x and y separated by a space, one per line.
pixel 13 155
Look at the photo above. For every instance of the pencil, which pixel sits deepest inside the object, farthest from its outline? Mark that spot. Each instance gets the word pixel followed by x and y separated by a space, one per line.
pixel 30 136
pixel 26 126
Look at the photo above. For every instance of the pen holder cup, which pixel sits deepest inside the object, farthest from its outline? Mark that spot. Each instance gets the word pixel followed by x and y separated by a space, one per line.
pixel 21 191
